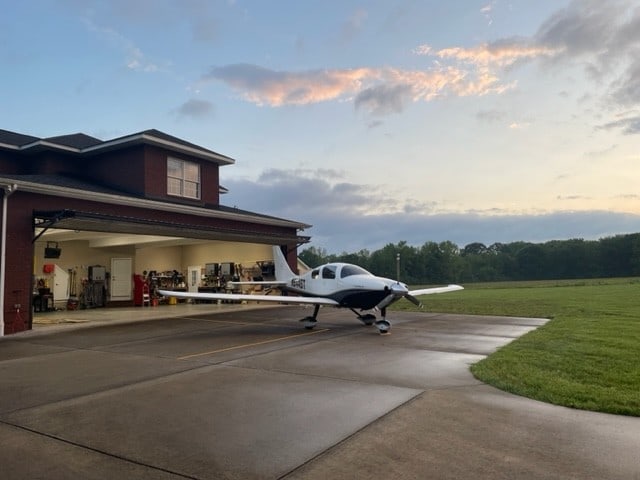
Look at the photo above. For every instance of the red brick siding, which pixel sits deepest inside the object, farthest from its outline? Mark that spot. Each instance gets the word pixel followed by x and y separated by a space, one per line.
pixel 123 169
pixel 8 163
pixel 19 266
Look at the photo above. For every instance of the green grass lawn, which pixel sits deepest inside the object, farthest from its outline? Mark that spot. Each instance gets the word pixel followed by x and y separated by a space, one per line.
pixel 587 356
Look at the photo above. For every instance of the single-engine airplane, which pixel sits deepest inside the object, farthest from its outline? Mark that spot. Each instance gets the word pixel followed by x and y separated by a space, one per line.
pixel 341 285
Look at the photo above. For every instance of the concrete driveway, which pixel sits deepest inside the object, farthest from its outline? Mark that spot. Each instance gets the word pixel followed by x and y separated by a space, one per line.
pixel 252 395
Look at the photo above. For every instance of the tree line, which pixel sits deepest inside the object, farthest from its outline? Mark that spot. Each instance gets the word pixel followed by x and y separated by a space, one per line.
pixel 445 262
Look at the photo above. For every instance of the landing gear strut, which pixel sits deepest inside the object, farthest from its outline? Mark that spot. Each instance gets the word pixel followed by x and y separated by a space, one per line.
pixel 382 325
pixel 310 322
pixel 367 319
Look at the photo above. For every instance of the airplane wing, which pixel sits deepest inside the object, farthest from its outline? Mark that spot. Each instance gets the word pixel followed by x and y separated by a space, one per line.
pixel 273 283
pixel 251 298
pixel 428 291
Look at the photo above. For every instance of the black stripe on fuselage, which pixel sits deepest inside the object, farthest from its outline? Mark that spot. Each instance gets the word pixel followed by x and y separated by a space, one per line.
pixel 353 298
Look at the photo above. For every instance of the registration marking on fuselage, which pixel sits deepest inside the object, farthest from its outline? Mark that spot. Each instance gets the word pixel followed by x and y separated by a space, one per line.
pixel 254 344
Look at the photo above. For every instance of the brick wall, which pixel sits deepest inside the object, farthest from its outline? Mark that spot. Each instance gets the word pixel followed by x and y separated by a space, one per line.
pixel 19 266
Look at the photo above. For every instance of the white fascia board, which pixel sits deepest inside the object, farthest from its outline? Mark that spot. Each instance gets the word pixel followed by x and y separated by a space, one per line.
pixel 9 146
pixel 218 158
pixel 162 142
pixel 45 143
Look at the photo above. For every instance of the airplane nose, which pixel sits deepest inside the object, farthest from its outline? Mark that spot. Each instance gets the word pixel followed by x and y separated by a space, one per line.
pixel 396 291
pixel 399 289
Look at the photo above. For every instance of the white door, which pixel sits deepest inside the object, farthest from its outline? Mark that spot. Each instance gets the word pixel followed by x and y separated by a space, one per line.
pixel 121 270
pixel 194 278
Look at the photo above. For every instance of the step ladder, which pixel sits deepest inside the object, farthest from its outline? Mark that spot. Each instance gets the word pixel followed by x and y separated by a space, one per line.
pixel 146 297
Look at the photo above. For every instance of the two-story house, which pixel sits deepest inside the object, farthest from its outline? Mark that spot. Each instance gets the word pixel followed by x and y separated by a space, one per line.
pixel 134 197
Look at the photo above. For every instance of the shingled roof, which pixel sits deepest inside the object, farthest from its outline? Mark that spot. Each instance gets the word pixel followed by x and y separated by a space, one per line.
pixel 16 140
pixel 76 140
pixel 80 143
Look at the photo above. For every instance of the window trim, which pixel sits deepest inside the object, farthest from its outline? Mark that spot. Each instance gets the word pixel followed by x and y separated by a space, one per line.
pixel 183 181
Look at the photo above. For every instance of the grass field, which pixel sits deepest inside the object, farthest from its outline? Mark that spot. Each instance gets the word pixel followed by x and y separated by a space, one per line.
pixel 587 356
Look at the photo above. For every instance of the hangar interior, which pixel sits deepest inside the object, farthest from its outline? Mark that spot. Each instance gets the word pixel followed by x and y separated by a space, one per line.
pixel 75 269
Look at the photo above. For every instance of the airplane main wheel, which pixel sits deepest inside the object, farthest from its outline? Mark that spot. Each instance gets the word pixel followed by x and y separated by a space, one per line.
pixel 309 322
pixel 383 326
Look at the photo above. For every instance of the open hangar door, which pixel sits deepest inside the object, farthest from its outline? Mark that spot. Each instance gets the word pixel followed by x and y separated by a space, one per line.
pixel 82 263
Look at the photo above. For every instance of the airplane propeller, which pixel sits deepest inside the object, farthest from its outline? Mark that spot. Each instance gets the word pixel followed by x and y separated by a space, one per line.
pixel 396 292
pixel 413 300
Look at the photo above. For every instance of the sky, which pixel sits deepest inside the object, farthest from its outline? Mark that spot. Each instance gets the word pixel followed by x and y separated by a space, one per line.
pixel 374 121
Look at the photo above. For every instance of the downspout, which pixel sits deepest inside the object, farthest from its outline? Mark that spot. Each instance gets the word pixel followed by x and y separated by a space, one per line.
pixel 8 190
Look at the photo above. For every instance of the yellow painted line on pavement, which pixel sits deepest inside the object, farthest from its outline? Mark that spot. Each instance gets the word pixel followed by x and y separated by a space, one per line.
pixel 255 344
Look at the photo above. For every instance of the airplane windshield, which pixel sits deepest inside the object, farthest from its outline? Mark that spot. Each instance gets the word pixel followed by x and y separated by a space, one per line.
pixel 348 270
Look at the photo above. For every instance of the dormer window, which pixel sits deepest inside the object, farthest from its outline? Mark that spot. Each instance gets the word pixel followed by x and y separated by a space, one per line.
pixel 183 178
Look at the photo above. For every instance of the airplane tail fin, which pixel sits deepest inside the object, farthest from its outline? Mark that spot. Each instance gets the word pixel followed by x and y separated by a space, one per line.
pixel 283 272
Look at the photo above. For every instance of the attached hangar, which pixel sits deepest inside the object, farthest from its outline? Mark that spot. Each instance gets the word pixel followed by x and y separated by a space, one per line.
pixel 89 223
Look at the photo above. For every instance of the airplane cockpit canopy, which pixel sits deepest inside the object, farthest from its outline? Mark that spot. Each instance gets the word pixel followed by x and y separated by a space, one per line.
pixel 329 271
pixel 348 270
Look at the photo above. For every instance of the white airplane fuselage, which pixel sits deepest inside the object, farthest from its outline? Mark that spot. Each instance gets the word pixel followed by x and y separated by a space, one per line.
pixel 347 284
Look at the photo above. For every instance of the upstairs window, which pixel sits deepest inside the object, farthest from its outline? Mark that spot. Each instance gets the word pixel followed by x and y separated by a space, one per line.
pixel 183 178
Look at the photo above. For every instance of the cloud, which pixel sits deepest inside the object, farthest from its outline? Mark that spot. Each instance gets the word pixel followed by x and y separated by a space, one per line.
pixel 311 191
pixel 502 53
pixel 454 71
pixel 380 90
pixel 604 152
pixel 195 108
pixel 134 57
pixel 491 116
pixel 626 89
pixel 343 218
pixel 605 37
pixel 573 197
pixel 264 86
pixel 629 125
pixel 601 37
pixel 384 99
pixel 587 27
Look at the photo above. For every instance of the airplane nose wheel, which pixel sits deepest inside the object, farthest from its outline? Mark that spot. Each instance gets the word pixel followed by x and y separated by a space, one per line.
pixel 383 325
